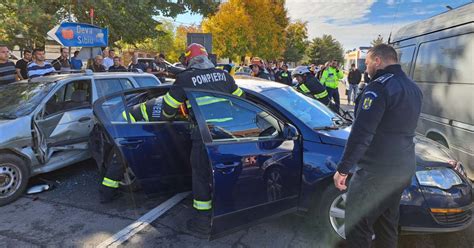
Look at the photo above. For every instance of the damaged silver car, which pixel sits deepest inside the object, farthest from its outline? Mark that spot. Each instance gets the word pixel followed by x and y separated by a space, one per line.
pixel 45 123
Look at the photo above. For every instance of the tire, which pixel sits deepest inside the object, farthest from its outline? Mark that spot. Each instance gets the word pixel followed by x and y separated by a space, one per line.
pixel 329 215
pixel 14 177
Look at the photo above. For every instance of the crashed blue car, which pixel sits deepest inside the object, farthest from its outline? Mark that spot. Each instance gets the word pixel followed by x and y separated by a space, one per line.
pixel 278 156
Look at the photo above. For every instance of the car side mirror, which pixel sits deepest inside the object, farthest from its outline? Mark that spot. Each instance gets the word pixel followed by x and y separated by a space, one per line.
pixel 290 132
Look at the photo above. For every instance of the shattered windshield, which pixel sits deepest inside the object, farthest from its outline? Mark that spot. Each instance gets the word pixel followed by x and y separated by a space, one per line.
pixel 19 99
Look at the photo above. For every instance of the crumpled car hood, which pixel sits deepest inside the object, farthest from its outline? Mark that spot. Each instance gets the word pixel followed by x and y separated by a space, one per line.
pixel 14 129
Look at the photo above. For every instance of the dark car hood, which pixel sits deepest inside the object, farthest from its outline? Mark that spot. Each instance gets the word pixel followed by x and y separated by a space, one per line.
pixel 428 152
pixel 335 137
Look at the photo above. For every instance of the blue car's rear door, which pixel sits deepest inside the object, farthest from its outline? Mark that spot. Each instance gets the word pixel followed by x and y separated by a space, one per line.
pixel 156 151
pixel 256 172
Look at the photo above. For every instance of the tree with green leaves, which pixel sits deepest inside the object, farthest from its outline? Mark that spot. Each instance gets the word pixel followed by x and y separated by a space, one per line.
pixel 324 49
pixel 26 22
pixel 377 41
pixel 296 41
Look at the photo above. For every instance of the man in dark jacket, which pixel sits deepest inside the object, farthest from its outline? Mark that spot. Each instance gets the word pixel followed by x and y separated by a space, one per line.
pixel 381 145
pixel 284 76
pixel 117 67
pixel 354 78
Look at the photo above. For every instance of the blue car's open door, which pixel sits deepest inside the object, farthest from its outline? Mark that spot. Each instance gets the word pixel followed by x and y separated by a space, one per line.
pixel 256 160
pixel 156 151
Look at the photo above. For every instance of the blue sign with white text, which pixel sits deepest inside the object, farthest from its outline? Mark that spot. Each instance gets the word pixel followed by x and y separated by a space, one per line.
pixel 82 35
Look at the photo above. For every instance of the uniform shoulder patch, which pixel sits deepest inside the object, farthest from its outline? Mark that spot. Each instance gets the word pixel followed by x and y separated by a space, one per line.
pixel 382 79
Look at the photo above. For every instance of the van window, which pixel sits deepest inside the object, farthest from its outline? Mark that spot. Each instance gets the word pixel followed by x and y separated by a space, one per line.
pixel 405 56
pixel 111 85
pixel 448 60
pixel 147 81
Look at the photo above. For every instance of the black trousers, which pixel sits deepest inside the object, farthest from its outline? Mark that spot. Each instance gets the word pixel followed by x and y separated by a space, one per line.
pixel 114 171
pixel 372 207
pixel 201 174
pixel 334 94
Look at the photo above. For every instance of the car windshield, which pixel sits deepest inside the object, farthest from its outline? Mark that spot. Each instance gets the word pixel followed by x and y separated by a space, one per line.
pixel 19 99
pixel 310 111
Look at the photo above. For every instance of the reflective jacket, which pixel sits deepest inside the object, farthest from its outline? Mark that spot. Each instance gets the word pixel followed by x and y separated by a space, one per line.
pixel 146 111
pixel 331 76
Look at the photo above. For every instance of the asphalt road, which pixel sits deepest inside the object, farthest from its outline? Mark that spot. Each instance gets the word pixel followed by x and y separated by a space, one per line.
pixel 70 216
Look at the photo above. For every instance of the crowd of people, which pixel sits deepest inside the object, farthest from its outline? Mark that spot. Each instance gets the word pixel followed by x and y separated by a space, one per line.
pixel 33 64
pixel 328 75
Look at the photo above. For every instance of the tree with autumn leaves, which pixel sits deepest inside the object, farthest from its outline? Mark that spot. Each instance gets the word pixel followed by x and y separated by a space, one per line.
pixel 248 27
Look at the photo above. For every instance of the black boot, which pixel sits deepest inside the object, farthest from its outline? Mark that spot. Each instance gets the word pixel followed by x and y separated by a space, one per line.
pixel 200 223
pixel 107 194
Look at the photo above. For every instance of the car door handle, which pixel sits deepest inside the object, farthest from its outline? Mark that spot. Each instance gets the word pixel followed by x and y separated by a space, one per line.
pixel 84 119
pixel 227 165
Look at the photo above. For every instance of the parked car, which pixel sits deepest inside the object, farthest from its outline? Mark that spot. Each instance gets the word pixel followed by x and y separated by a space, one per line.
pixel 45 123
pixel 276 154
pixel 438 54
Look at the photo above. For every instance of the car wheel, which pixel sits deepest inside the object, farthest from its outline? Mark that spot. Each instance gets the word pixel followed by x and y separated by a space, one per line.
pixel 274 184
pixel 13 178
pixel 331 214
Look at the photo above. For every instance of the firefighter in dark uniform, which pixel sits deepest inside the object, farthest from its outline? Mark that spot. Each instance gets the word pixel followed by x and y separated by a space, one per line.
pixel 201 74
pixel 284 76
pixel 258 68
pixel 381 144
pixel 309 84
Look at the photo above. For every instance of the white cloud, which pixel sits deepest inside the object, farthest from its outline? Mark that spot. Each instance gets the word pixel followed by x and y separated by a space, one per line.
pixel 344 20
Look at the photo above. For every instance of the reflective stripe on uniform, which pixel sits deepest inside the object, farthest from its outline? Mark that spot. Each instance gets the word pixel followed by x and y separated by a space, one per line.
pixel 220 119
pixel 168 115
pixel 110 183
pixel 171 101
pixel 206 100
pixel 238 92
pixel 202 205
pixel 124 115
pixel 304 88
pixel 143 110
pixel 321 95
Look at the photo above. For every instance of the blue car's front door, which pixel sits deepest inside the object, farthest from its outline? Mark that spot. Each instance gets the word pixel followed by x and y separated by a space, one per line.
pixel 256 167
pixel 156 151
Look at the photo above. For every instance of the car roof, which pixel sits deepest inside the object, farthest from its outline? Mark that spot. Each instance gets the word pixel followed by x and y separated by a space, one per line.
pixel 451 18
pixel 257 85
pixel 58 77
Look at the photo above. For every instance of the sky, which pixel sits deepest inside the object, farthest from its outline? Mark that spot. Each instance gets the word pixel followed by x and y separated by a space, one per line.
pixel 355 23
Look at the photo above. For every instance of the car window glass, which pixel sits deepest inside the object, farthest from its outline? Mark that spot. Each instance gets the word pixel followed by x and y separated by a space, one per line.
pixel 146 81
pixel 230 118
pixel 73 95
pixel 108 86
pixel 114 110
pixel 446 60
pixel 126 83
pixel 405 56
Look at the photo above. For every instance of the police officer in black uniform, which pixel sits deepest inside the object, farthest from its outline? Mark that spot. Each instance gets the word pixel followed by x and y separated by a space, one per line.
pixel 381 144
pixel 308 84
pixel 200 74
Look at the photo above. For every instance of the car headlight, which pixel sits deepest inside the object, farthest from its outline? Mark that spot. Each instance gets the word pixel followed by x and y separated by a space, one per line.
pixel 443 178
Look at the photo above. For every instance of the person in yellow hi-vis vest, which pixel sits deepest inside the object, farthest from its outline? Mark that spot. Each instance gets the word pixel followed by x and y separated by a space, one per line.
pixel 330 78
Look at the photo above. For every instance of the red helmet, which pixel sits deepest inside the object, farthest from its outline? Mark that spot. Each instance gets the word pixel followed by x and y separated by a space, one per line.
pixel 256 61
pixel 194 50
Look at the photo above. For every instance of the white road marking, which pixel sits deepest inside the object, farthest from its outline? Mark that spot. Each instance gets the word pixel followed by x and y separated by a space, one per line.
pixel 143 222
